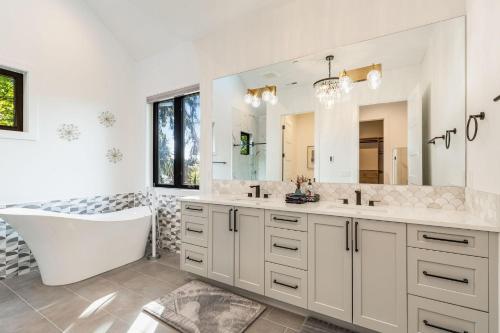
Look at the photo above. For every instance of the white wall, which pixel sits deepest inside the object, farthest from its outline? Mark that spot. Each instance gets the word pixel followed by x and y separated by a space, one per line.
pixel 483 84
pixel 166 71
pixel 443 89
pixel 299 28
pixel 76 71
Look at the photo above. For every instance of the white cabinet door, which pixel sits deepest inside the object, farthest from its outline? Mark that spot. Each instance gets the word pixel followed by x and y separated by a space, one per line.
pixel 379 276
pixel 330 266
pixel 249 249
pixel 221 244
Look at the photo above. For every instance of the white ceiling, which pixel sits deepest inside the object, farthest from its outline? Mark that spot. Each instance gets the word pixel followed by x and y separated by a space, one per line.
pixel 146 27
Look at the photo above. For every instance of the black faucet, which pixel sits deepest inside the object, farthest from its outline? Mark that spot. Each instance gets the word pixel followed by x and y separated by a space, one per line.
pixel 358 197
pixel 257 190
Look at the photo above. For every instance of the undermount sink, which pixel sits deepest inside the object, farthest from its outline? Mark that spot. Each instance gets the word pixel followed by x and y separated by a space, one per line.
pixel 356 207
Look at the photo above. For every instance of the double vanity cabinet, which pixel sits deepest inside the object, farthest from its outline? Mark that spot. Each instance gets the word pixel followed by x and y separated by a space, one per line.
pixel 385 276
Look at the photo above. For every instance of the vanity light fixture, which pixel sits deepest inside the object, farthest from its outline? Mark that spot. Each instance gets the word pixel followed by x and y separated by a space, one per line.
pixel 331 89
pixel 255 96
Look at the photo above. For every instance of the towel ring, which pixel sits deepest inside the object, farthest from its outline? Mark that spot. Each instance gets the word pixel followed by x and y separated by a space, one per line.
pixel 474 117
pixel 447 139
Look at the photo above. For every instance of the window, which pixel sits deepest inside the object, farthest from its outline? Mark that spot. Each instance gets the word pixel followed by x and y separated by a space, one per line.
pixel 176 142
pixel 11 100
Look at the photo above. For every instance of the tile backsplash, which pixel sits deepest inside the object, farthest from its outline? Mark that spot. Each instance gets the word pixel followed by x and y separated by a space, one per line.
pixel 483 204
pixel 449 198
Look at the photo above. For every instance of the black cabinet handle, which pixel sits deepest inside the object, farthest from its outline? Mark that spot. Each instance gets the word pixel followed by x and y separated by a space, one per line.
pixel 193 230
pixel 195 209
pixel 356 236
pixel 445 277
pixel 284 220
pixel 465 241
pixel 347 235
pixel 230 212
pixel 235 222
pixel 286 247
pixel 426 323
pixel 285 285
pixel 195 260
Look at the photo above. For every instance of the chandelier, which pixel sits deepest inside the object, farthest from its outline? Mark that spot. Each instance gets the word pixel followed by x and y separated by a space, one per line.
pixel 333 88
pixel 254 97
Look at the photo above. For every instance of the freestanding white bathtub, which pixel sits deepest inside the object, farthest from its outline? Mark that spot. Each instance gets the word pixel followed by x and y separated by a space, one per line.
pixel 69 248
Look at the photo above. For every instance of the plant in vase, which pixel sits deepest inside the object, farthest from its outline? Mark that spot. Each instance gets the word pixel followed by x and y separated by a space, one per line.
pixel 298 183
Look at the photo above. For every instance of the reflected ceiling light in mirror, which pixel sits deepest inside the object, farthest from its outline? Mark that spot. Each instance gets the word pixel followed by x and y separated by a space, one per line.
pixel 346 83
pixel 374 78
pixel 332 89
pixel 267 94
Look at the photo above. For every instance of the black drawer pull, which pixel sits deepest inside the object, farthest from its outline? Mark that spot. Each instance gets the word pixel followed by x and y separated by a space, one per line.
pixel 194 230
pixel 465 241
pixel 445 277
pixel 286 247
pixel 285 220
pixel 426 323
pixel 285 285
pixel 195 260
pixel 195 209
pixel 347 235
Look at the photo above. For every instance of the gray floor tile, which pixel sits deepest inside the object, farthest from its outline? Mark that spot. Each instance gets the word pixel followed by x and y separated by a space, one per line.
pixel 285 318
pixel 26 280
pixel 148 286
pixel 6 294
pixel 16 316
pixel 126 305
pixel 164 272
pixel 66 314
pixel 264 325
pixel 95 288
pixel 40 296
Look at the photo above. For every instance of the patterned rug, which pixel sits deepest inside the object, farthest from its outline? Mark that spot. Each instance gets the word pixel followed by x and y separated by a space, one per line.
pixel 313 325
pixel 197 307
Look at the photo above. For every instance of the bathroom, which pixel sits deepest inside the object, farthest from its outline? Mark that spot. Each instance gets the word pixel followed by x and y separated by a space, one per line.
pixel 153 148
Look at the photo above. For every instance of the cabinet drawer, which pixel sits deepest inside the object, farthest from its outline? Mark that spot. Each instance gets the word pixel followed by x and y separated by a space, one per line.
pixel 286 247
pixel 195 209
pixel 194 259
pixel 428 316
pixel 460 241
pixel 286 284
pixel 294 221
pixel 448 277
pixel 194 230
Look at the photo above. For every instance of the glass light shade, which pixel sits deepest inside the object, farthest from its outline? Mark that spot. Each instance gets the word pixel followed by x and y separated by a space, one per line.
pixel 274 100
pixel 374 78
pixel 328 91
pixel 346 84
pixel 266 96
pixel 248 98
pixel 255 101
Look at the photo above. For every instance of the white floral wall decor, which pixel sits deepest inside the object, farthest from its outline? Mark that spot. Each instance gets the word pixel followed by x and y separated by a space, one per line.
pixel 107 119
pixel 68 132
pixel 114 155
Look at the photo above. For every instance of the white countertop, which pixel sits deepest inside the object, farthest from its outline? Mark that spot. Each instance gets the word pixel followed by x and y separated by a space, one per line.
pixel 424 216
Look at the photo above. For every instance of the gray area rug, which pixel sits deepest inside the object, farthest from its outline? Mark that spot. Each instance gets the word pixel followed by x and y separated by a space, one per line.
pixel 313 325
pixel 198 307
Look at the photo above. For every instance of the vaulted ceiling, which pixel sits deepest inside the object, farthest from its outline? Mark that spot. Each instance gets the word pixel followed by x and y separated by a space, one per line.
pixel 145 27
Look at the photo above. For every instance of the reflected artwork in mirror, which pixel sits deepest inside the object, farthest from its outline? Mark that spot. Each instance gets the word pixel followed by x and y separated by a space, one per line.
pixel 372 112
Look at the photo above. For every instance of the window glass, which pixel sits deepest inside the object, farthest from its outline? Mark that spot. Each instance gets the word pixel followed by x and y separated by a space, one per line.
pixel 191 125
pixel 7 101
pixel 166 142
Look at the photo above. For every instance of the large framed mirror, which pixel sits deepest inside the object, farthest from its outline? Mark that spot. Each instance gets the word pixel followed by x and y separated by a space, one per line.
pixel 389 110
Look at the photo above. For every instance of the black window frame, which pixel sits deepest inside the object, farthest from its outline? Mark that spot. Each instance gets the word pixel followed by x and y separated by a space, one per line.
pixel 18 100
pixel 178 145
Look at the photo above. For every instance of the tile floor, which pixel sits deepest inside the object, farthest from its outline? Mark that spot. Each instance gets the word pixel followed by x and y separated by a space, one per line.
pixel 108 303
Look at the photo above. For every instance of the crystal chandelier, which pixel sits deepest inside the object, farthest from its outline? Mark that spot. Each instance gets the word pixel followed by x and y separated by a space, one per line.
pixel 332 89
pixel 328 90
